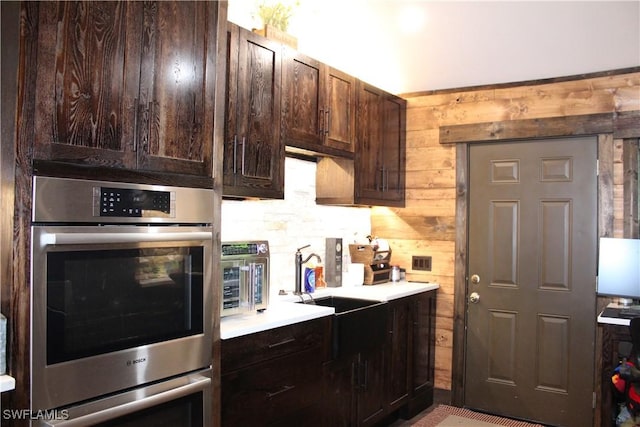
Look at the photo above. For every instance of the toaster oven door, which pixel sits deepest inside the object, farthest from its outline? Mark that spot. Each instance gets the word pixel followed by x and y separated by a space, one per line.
pixel 245 285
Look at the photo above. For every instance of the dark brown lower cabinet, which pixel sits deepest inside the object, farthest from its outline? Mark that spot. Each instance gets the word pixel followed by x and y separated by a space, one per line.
pixel 354 390
pixel 421 353
pixel 286 376
pixel 394 381
pixel 282 391
pixel 399 358
pixel 274 378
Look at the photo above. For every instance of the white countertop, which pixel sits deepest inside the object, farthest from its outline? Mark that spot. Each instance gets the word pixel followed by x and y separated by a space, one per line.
pixel 285 311
pixel 7 383
pixel 276 315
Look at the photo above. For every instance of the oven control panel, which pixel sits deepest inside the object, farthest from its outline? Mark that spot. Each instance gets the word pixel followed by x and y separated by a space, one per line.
pixel 68 200
pixel 135 203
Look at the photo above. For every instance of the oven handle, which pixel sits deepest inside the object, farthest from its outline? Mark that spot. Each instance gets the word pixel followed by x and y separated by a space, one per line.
pixel 99 238
pixel 198 384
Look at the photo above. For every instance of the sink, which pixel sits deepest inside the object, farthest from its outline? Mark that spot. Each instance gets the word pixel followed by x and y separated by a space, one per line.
pixel 358 325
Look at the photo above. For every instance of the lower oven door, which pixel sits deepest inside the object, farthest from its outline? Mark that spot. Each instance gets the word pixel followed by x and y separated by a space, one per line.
pixel 180 402
pixel 115 307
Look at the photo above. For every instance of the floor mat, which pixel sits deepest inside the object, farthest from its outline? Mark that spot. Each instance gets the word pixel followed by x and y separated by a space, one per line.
pixel 450 416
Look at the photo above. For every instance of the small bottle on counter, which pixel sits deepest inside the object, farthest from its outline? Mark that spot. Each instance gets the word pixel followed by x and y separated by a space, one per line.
pixel 319 273
pixel 395 273
pixel 309 279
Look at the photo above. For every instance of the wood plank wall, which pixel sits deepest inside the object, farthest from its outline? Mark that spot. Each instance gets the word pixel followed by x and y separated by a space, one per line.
pixel 427 225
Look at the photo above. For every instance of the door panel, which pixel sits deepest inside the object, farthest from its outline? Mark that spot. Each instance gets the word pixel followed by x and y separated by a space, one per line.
pixel 532 262
pixel 301 99
pixel 176 88
pixel 340 110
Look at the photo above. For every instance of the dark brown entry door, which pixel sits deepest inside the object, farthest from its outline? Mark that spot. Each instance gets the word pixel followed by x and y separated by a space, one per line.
pixel 532 266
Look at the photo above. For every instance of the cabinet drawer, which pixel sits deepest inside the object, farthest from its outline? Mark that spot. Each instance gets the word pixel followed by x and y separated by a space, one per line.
pixel 254 348
pixel 271 392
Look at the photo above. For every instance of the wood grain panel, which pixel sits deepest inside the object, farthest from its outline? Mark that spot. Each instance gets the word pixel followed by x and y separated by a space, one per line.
pixel 423 138
pixel 434 178
pixel 627 124
pixel 631 194
pixel 430 158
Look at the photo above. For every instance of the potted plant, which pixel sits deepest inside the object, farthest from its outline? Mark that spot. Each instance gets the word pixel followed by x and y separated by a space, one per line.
pixel 275 16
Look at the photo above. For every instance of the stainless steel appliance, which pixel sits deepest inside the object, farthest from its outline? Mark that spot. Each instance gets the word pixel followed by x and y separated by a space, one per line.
pixel 121 287
pixel 184 401
pixel 245 277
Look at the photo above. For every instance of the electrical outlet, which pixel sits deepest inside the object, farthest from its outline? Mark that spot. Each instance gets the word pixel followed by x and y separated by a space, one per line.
pixel 421 263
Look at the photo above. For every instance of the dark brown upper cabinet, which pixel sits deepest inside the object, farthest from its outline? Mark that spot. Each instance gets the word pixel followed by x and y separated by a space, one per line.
pixel 127 85
pixel 253 151
pixel 380 156
pixel 318 106
pixel 376 177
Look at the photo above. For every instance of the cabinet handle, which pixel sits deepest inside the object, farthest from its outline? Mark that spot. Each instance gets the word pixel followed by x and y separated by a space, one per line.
pixel 355 374
pixel 327 123
pixel 321 122
pixel 283 342
pixel 150 122
pixel 244 139
pixel 235 154
pixel 135 126
pixel 385 181
pixel 365 382
pixel 284 389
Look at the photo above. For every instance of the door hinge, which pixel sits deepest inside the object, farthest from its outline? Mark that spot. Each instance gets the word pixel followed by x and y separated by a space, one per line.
pixel 593 401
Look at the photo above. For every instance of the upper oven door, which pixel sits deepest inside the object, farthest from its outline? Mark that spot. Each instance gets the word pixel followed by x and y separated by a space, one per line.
pixel 117 306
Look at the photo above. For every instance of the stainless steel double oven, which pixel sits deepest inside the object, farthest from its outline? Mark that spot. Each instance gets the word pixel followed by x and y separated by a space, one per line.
pixel 121 303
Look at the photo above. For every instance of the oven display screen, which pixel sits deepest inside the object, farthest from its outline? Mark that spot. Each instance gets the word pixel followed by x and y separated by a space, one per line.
pixel 124 202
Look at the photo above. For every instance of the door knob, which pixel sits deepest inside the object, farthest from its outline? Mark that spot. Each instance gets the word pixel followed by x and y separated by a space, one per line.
pixel 474 297
pixel 475 279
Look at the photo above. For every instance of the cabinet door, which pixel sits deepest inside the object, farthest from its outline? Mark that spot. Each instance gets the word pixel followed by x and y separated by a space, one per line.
pixel 177 76
pixel 399 323
pixel 393 149
pixel 423 352
pixel 339 394
pixel 380 160
pixel 275 392
pixel 301 88
pixel 371 385
pixel 87 82
pixel 254 153
pixel 339 105
pixel 368 163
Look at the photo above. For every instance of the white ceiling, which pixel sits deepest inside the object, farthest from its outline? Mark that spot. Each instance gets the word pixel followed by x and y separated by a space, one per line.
pixel 417 45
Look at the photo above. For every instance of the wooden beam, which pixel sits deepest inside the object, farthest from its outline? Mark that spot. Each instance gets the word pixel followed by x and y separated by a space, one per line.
pixel 589 124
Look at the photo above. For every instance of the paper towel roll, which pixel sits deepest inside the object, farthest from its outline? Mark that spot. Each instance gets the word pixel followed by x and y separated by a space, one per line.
pixel 354 276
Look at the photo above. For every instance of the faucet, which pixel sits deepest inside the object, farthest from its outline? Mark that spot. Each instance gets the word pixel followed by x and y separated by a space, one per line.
pixel 299 262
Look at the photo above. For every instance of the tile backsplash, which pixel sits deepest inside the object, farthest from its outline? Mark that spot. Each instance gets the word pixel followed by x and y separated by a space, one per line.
pixel 293 222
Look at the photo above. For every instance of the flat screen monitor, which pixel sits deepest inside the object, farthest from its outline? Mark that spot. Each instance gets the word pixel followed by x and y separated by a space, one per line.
pixel 619 268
